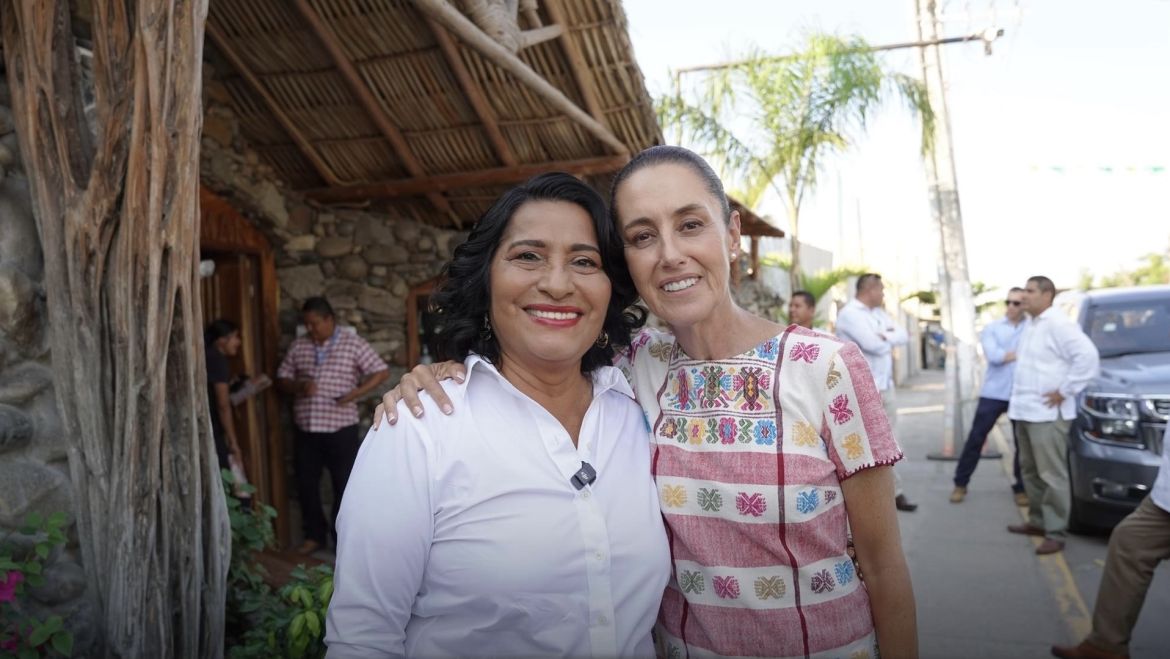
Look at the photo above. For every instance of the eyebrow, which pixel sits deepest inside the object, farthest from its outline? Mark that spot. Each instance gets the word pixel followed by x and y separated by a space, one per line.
pixel 575 247
pixel 681 210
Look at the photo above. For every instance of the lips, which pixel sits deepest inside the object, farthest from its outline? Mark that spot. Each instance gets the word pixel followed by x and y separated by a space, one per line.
pixel 556 316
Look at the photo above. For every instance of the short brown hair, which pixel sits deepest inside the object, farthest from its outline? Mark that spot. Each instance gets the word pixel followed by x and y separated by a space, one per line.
pixel 863 281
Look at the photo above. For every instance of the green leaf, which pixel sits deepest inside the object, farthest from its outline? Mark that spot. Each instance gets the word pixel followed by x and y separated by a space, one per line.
pixel 313 623
pixel 31 568
pixel 58 519
pixel 297 627
pixel 325 592
pixel 63 643
pixel 28 653
pixel 40 635
pixel 42 551
pixel 34 520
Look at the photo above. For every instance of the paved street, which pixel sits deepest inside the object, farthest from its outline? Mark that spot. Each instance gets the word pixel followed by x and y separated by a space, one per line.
pixel 981 591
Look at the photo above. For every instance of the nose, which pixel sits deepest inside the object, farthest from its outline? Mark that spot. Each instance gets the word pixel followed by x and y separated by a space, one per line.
pixel 557 282
pixel 669 254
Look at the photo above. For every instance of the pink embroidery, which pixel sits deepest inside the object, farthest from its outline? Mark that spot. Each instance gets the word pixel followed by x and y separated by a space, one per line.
pixel 840 409
pixel 726 587
pixel 805 351
pixel 751 504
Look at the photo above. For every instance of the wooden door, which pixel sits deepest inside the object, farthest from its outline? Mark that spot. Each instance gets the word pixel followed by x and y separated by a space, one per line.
pixel 244 290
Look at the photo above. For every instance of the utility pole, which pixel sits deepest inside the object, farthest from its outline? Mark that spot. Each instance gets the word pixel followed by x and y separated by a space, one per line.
pixel 957 303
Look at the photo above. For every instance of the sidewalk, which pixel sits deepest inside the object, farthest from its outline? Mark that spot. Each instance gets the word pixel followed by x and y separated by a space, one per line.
pixel 981 591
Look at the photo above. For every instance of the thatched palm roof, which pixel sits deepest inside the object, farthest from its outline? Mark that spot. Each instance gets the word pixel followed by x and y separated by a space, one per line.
pixel 410 104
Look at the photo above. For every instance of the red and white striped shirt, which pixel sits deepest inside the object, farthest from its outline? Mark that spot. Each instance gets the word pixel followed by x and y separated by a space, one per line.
pixel 748 455
pixel 337 367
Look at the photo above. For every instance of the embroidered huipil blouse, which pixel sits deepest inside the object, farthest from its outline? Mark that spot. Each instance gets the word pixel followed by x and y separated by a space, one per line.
pixel 748 455
pixel 462 535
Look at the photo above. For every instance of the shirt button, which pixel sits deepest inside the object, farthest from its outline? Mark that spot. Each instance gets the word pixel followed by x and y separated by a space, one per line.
pixel 584 494
pixel 602 620
pixel 598 555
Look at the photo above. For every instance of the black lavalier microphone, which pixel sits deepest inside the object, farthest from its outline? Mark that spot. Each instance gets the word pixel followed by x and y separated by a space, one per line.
pixel 584 476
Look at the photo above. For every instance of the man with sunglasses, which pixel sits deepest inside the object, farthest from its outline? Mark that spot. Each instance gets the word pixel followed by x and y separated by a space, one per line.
pixel 999 340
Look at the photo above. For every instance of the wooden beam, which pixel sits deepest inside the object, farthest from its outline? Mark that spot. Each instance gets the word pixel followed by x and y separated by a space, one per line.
pixel 369 103
pixel 474 94
pixel 755 262
pixel 285 121
pixel 498 176
pixel 577 64
pixel 461 26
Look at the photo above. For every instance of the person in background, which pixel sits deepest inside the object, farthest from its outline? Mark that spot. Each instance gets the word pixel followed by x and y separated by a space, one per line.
pixel 864 322
pixel 1138 544
pixel 802 309
pixel 525 524
pixel 999 340
pixel 221 341
pixel 328 370
pixel 1054 363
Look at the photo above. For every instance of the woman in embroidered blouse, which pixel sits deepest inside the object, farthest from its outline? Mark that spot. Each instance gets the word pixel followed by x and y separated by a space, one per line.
pixel 466 535
pixel 769 445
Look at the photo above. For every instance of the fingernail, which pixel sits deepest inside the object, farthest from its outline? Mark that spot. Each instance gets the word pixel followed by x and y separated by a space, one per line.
pixel 447 409
pixel 391 418
pixel 459 377
pixel 417 411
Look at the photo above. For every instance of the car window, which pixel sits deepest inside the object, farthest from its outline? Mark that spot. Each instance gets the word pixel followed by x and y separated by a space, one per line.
pixel 1130 327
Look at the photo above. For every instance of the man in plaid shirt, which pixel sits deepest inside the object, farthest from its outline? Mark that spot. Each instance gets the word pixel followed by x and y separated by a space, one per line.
pixel 328 371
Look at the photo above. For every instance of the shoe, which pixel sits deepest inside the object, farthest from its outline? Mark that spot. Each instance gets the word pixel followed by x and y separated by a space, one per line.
pixel 904 504
pixel 958 494
pixel 1021 499
pixel 1049 546
pixel 1084 651
pixel 307 547
pixel 1025 529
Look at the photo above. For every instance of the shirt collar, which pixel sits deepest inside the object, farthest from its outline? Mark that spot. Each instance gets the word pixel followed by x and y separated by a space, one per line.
pixel 604 377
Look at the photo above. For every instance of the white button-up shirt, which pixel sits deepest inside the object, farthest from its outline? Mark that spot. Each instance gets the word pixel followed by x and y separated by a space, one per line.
pixel 1054 355
pixel 876 334
pixel 463 536
pixel 1160 494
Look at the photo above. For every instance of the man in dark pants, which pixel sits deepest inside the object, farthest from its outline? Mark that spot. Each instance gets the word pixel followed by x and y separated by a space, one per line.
pixel 327 370
pixel 1000 340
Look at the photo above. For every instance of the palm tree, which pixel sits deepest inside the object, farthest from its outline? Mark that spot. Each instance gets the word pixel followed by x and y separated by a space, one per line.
pixel 769 122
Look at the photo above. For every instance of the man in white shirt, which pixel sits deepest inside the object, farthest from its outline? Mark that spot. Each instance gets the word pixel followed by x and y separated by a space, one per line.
pixel 1137 545
pixel 1054 363
pixel 864 322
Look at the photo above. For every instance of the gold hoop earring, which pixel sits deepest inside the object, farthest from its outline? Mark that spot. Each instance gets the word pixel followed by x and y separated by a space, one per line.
pixel 603 340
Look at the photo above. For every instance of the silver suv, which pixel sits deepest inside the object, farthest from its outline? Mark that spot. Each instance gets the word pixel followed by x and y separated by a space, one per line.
pixel 1116 440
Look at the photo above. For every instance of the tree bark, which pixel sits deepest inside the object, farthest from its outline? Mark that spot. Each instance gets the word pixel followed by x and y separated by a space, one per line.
pixel 117 214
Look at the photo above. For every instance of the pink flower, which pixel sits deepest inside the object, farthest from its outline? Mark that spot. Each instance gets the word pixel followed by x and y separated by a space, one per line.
pixel 8 585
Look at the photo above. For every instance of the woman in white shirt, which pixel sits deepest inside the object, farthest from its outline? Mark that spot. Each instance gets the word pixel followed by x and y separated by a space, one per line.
pixel 526 523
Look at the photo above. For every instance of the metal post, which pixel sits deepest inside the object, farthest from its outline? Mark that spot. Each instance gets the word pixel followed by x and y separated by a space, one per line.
pixel 957 303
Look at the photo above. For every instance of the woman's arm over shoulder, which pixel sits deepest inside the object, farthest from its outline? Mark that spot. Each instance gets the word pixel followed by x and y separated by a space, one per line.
pixel 385 530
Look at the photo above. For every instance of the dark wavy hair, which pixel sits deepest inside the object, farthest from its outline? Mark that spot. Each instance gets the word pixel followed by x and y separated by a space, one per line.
pixel 217 329
pixel 464 297
pixel 672 155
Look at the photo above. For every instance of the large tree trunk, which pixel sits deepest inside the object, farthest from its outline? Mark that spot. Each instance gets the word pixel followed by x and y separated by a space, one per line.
pixel 117 215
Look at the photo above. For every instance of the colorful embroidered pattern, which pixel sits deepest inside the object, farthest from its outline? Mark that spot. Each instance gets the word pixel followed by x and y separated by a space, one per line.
pixel 751 504
pixel 805 434
pixel 713 383
pixel 674 496
pixel 822 582
pixel 710 500
pixel 852 445
pixel 807 501
pixel 727 430
pixel 726 587
pixel 691 582
pixel 834 376
pixel 770 588
pixel 806 352
pixel 765 431
pixel 840 409
pixel 748 384
pixel 844 572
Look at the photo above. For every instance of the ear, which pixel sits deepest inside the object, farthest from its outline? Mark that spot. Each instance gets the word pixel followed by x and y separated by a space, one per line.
pixel 733 228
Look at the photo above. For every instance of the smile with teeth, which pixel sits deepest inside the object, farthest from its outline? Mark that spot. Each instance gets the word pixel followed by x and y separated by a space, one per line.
pixel 681 285
pixel 553 315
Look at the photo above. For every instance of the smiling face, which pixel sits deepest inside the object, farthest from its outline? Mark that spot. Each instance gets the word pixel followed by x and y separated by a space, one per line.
pixel 549 294
pixel 678 245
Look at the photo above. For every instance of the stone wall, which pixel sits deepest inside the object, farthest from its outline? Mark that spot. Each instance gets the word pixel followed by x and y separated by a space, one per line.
pixel 34 471
pixel 364 263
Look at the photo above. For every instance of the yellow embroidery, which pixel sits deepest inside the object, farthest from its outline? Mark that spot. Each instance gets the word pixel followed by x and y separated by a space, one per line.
pixel 660 351
pixel 805 434
pixel 852 446
pixel 834 376
pixel 770 588
pixel 674 496
pixel 860 654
